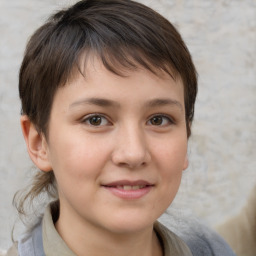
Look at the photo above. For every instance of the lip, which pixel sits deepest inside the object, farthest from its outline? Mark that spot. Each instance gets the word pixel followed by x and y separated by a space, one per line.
pixel 139 190
pixel 128 183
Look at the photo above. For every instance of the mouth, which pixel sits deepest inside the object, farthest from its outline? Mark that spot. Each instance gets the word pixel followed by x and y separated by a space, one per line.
pixel 129 189
pixel 128 185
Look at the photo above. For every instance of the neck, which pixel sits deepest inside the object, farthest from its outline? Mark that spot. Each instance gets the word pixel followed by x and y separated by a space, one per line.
pixel 87 239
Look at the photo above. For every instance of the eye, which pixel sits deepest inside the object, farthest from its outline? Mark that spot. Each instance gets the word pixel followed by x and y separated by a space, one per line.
pixel 95 120
pixel 160 120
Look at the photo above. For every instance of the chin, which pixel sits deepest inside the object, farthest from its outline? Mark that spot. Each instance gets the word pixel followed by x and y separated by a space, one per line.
pixel 130 224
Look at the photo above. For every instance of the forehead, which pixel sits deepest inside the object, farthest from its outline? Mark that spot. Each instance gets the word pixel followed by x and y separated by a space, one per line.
pixel 91 64
pixel 97 84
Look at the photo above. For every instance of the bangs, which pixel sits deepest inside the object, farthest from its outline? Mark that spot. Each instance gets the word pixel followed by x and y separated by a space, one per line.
pixel 118 42
pixel 120 61
pixel 124 35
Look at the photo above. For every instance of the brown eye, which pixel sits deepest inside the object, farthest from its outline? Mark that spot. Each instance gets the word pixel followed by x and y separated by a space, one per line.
pixel 156 120
pixel 160 120
pixel 96 120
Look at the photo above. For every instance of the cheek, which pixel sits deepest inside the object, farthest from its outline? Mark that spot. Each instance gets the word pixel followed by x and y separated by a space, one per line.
pixel 170 168
pixel 77 157
pixel 171 156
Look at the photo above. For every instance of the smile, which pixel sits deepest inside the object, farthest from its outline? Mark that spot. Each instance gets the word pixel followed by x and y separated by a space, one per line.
pixel 128 189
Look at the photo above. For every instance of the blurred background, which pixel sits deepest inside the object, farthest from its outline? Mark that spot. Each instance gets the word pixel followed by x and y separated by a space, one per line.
pixel 221 36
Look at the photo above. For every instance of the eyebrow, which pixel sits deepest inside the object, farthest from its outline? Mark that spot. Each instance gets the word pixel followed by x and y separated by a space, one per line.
pixel 95 101
pixel 110 103
pixel 164 102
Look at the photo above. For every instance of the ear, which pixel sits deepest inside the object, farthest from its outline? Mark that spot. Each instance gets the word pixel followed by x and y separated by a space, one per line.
pixel 186 162
pixel 37 146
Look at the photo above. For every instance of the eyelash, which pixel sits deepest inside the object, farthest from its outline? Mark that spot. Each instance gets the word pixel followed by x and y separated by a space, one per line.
pixel 88 120
pixel 170 121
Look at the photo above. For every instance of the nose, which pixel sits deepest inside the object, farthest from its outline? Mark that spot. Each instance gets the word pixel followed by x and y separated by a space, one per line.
pixel 131 148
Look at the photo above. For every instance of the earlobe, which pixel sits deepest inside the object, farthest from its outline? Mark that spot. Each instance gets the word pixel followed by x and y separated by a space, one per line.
pixel 186 163
pixel 36 144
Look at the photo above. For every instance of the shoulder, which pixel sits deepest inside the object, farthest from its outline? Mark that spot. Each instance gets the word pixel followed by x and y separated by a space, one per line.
pixel 29 242
pixel 199 238
pixel 13 251
pixel 203 241
pixel 171 243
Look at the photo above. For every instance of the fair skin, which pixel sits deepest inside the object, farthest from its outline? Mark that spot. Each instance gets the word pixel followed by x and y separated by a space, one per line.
pixel 117 146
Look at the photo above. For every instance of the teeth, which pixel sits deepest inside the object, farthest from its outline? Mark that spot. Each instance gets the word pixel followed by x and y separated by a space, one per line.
pixel 127 187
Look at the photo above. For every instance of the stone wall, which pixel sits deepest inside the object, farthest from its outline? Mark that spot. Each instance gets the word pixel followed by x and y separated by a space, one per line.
pixel 221 36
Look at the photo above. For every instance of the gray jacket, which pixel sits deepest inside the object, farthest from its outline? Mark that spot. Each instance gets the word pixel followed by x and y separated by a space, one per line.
pixel 201 240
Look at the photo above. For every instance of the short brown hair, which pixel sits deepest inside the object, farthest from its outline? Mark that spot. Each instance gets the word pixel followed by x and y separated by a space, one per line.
pixel 122 33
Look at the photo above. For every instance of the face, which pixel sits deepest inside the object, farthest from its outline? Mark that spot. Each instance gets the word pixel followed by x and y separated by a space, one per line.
pixel 117 146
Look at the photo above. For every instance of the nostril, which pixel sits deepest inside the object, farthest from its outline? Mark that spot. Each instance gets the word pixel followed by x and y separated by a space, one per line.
pixel 132 151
